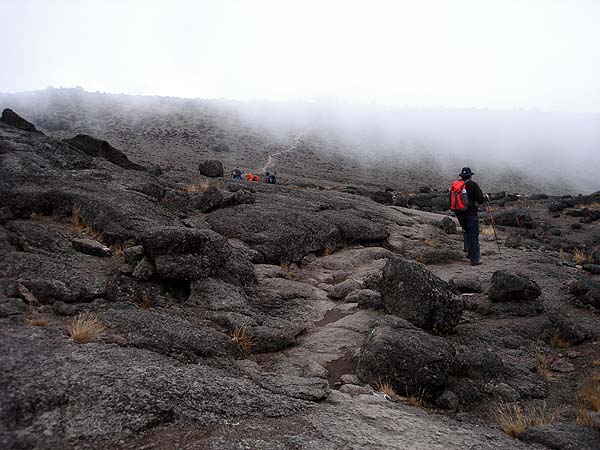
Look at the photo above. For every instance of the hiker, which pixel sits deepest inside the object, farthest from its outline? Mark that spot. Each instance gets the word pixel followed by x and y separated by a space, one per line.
pixel 465 194
pixel 236 174
pixel 268 177
pixel 273 178
pixel 249 176
pixel 256 178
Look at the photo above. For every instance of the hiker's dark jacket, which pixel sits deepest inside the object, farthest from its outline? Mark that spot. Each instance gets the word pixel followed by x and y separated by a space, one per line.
pixel 475 197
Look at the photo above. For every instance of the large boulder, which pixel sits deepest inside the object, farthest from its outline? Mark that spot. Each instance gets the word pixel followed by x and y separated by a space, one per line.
pixel 193 254
pixel 414 293
pixel 211 168
pixel 513 218
pixel 410 359
pixel 510 287
pixel 99 148
pixel 11 118
pixel 587 291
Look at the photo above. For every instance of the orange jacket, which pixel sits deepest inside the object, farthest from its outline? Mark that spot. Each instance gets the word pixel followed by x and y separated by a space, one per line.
pixel 250 176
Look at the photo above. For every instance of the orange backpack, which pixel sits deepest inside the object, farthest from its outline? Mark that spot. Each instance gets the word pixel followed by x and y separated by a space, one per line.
pixel 459 201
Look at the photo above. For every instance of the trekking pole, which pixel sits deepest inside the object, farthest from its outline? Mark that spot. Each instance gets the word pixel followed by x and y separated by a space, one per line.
pixel 489 208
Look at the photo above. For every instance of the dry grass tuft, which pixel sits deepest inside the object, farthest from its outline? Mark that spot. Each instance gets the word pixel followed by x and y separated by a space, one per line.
pixel 386 388
pixel 583 416
pixel 85 328
pixel 589 392
pixel 76 219
pixel 581 257
pixel 94 234
pixel 543 365
pixel 147 301
pixel 511 419
pixel 35 216
pixel 514 421
pixel 162 200
pixel 203 186
pixel 117 249
pixel 433 243
pixel 243 339
pixel 555 341
pixel 486 231
pixel 417 399
pixel 595 205
pixel 37 321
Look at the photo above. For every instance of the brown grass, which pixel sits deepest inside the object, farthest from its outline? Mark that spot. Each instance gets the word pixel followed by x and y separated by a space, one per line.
pixel 243 339
pixel 595 205
pixel 76 219
pixel 35 216
pixel 386 388
pixel 85 328
pixel 37 321
pixel 555 341
pixel 583 416
pixel 117 249
pixel 543 365
pixel 589 392
pixel 417 399
pixel 198 187
pixel 581 257
pixel 92 232
pixel 162 200
pixel 486 231
pixel 433 243
pixel 147 301
pixel 514 421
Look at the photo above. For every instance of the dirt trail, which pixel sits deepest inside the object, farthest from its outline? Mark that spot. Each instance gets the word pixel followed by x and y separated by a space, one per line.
pixel 290 148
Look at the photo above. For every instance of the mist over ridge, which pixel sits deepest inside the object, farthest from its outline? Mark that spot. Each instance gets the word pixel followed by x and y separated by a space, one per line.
pixel 552 151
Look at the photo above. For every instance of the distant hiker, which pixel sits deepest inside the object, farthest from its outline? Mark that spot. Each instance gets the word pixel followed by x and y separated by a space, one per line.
pixel 268 177
pixel 256 178
pixel 250 176
pixel 236 174
pixel 465 194
pixel 273 179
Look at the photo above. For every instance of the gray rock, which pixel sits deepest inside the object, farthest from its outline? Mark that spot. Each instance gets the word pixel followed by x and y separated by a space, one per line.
pixel 312 389
pixel 11 118
pixel 133 255
pixel 562 436
pixel 513 240
pixel 102 149
pixel 10 306
pixel 465 284
pixel 144 269
pixel 348 378
pixel 354 390
pixel 212 168
pixel 368 299
pixel 412 292
pixel 342 289
pixel 586 290
pixel 315 370
pixel 448 225
pixel 507 287
pixel 562 366
pixel 91 247
pixel 572 327
pixel 407 357
pixel 447 400
pixel 592 268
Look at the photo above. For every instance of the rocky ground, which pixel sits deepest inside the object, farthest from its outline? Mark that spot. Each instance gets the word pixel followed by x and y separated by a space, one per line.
pixel 146 308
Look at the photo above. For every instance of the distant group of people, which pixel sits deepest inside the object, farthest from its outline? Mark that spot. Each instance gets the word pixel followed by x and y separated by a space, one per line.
pixel 271 178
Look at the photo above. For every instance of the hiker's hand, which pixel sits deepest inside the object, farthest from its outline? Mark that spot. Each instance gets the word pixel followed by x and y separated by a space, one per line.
pixel 487 196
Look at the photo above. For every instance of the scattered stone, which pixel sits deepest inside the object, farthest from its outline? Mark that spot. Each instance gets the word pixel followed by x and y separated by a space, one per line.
pixel 587 291
pixel 513 240
pixel 555 231
pixel 211 168
pixel 144 269
pixel 576 226
pixel 91 247
pixel 412 292
pixel 349 378
pixel 315 370
pixel 447 400
pixel 98 148
pixel 563 436
pixel 133 255
pixel 513 218
pixel 10 306
pixel 355 390
pixel 592 268
pixel 342 289
pixel 369 299
pixel 465 285
pixel 448 225
pixel 507 287
pixel 562 366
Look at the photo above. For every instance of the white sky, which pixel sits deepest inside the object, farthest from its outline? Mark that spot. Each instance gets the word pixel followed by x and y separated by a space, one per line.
pixel 533 54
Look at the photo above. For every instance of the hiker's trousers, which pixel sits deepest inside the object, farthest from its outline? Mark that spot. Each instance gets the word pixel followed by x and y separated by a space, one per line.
pixel 470 226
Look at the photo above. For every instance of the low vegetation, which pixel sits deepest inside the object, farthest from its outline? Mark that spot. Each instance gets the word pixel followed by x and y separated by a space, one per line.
pixel 37 321
pixel 203 186
pixel 35 216
pixel 581 257
pixel 486 231
pixel 543 365
pixel 555 341
pixel 513 420
pixel 244 339
pixel 86 327
pixel 588 397
pixel 147 302
pixel 117 249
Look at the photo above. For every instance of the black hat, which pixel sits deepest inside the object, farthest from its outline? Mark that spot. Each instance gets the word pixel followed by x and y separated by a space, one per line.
pixel 466 172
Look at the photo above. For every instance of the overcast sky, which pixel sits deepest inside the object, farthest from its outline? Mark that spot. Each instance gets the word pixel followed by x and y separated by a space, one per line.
pixel 532 54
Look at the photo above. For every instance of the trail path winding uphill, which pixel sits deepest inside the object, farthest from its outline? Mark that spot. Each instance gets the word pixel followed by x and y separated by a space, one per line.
pixel 290 148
